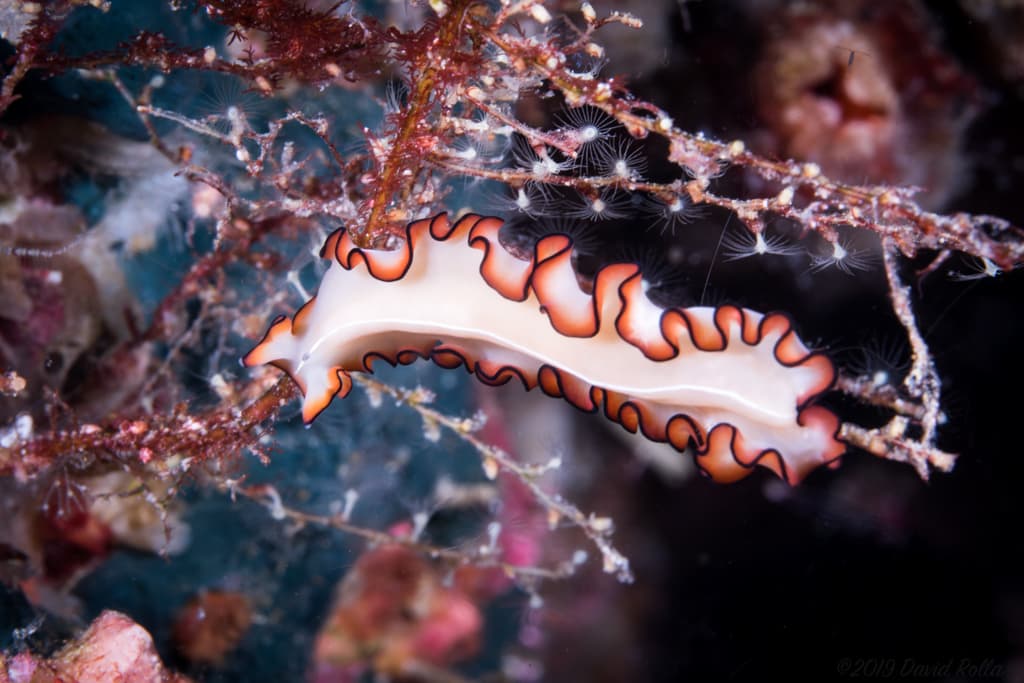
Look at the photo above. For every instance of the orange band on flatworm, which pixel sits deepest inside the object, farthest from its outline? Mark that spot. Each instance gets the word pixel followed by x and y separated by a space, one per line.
pixel 733 384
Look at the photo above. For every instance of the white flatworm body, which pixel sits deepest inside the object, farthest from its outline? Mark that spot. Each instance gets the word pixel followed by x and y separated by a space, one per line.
pixel 735 384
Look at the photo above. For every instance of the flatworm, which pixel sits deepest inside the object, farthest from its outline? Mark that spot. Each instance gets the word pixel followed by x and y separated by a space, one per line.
pixel 735 384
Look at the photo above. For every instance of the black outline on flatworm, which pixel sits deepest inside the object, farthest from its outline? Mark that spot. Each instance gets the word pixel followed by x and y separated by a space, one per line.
pixel 629 410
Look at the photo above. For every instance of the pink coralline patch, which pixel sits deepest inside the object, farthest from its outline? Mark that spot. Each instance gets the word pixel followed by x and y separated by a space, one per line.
pixel 20 669
pixel 450 630
pixel 520 547
pixel 114 649
pixel 864 90
pixel 393 613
